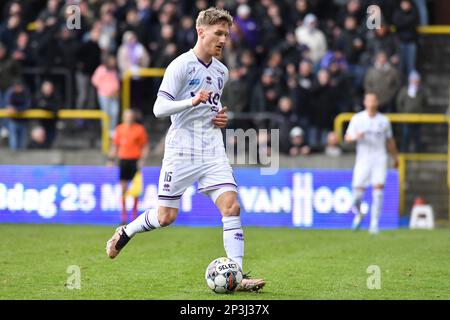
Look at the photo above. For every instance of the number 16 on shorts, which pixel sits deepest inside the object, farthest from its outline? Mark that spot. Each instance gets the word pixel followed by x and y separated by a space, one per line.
pixel 167 176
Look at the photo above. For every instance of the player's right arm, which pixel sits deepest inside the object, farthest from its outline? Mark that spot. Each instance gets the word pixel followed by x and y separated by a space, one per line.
pixel 174 80
pixel 165 107
pixel 352 134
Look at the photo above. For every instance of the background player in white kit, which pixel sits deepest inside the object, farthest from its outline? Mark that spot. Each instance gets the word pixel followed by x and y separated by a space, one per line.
pixel 373 133
pixel 194 151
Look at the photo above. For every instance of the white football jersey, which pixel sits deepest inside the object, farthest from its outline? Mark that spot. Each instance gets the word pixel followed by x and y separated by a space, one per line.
pixel 192 133
pixel 376 131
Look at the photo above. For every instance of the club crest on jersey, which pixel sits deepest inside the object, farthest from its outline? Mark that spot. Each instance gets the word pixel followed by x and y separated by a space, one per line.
pixel 220 83
pixel 208 80
pixel 194 82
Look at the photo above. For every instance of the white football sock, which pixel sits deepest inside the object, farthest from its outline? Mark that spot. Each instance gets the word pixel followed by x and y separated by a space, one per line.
pixel 146 221
pixel 233 238
pixel 357 199
pixel 377 204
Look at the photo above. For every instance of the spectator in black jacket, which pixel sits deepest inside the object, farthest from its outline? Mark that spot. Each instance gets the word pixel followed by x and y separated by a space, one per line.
pixel 381 39
pixel 323 110
pixel 236 92
pixel 17 99
pixel 88 56
pixel 406 19
pixel 22 52
pixel 48 99
pixel 303 96
pixel 10 71
pixel 10 29
pixel 352 42
pixel 186 34
pixel 265 94
pixel 284 120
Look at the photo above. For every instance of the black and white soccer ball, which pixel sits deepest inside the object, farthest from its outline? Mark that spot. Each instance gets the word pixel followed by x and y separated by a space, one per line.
pixel 223 275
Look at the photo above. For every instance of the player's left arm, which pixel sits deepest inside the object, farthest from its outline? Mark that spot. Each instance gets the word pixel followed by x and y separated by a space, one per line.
pixel 391 145
pixel 392 149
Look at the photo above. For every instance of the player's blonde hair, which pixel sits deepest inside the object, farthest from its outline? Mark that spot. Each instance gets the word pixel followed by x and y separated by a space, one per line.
pixel 213 16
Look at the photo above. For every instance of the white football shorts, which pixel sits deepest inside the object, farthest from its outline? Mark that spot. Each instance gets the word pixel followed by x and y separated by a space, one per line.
pixel 369 173
pixel 214 178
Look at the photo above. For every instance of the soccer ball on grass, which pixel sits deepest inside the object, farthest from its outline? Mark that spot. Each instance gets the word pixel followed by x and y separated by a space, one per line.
pixel 223 275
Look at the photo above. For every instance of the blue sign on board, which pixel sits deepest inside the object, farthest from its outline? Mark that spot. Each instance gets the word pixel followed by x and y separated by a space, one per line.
pixel 91 195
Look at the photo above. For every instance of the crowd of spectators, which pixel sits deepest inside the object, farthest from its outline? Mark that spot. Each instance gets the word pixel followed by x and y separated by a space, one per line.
pixel 302 61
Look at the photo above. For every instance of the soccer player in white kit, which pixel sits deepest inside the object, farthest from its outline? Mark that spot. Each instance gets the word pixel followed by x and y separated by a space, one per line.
pixel 194 150
pixel 372 133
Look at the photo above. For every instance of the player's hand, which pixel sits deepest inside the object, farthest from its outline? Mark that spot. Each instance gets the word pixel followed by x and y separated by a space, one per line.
pixel 396 162
pixel 221 118
pixel 359 135
pixel 201 96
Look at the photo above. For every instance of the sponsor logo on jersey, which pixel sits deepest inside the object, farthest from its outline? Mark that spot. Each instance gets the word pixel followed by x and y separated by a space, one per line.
pixel 221 72
pixel 166 187
pixel 194 82
pixel 214 109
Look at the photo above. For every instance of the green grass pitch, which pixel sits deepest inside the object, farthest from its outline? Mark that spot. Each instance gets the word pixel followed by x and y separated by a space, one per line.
pixel 170 263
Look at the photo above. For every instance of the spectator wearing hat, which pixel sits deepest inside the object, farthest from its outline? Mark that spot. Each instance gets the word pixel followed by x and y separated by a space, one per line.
pixel 247 26
pixel 132 55
pixel 311 36
pixel 412 99
pixel 298 146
